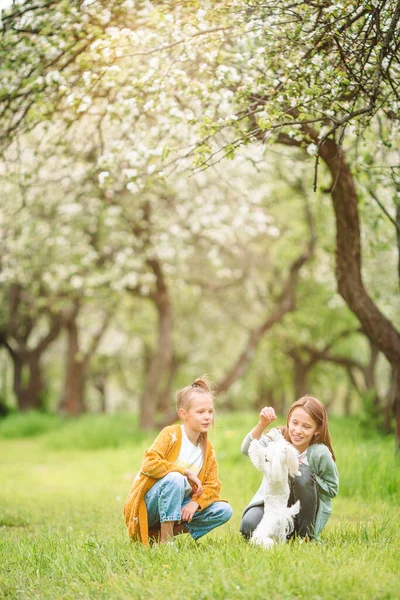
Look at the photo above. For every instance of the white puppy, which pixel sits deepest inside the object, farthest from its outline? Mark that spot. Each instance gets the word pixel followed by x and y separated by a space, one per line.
pixel 277 461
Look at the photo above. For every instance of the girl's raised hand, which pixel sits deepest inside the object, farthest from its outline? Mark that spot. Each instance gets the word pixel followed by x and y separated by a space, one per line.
pixel 267 415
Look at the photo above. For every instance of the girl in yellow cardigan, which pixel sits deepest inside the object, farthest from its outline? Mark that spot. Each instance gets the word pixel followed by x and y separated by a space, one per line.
pixel 177 487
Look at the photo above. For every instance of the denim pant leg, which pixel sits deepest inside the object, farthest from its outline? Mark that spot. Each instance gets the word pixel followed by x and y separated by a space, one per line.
pixel 164 499
pixel 205 520
pixel 304 488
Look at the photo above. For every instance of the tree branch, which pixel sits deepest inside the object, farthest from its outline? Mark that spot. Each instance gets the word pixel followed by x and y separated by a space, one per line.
pixel 379 203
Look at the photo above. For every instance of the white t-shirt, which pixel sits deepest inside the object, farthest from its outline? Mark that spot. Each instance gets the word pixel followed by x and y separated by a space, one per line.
pixel 190 457
pixel 303 460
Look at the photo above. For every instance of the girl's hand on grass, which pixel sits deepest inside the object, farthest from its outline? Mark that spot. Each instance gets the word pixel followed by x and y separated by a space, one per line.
pixel 267 415
pixel 194 482
pixel 188 511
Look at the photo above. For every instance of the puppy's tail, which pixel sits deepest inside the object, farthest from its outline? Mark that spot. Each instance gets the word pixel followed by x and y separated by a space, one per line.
pixel 291 512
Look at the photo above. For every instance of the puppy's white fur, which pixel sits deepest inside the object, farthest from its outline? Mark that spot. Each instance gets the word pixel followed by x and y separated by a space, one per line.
pixel 276 461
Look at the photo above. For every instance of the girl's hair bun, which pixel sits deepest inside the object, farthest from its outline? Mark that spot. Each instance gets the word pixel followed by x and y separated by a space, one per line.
pixel 202 382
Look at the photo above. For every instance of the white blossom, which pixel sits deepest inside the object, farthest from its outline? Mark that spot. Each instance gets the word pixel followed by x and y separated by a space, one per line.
pixel 312 149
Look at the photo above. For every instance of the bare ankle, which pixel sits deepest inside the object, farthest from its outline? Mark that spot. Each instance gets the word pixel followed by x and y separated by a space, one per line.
pixel 166 531
pixel 179 528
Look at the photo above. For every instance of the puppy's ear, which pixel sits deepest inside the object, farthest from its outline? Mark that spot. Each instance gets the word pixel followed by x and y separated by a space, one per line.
pixel 257 455
pixel 277 468
pixel 292 457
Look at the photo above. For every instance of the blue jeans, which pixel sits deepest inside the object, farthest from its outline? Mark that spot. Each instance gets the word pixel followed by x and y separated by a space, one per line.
pixel 164 502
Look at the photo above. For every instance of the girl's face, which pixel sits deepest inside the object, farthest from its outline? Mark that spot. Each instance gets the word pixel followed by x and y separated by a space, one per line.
pixel 200 414
pixel 302 429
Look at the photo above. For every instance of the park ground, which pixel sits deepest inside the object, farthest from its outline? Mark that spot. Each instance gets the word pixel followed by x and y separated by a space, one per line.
pixel 62 533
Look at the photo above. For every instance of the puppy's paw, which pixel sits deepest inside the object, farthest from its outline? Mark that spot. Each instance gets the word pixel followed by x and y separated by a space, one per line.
pixel 257 455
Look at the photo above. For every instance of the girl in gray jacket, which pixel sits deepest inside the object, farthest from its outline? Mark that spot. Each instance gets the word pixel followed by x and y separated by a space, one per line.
pixel 307 430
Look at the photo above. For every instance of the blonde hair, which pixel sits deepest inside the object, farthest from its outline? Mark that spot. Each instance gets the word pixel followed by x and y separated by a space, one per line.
pixel 184 398
pixel 316 410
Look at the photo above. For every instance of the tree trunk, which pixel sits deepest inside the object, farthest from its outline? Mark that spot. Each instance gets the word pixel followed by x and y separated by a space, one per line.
pixel 387 406
pixel 398 228
pixel 301 370
pixel 165 401
pixel 300 378
pixel 347 402
pixel 348 267
pixel 28 380
pixel 396 404
pixel 162 356
pixel 370 378
pixel 330 401
pixel 348 259
pixel 100 383
pixel 72 400
pixel 265 397
pixel 281 404
pixel 77 363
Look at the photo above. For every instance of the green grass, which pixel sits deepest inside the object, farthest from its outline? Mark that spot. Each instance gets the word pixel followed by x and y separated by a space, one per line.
pixel 62 533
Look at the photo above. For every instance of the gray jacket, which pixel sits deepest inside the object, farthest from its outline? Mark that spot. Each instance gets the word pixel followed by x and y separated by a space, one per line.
pixel 326 474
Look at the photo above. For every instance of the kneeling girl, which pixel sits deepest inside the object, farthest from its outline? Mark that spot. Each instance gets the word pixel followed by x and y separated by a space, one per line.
pixel 307 430
pixel 177 488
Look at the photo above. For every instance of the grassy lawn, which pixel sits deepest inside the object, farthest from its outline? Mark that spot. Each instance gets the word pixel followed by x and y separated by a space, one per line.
pixel 62 533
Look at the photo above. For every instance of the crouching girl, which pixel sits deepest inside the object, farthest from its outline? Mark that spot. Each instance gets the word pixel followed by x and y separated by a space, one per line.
pixel 307 430
pixel 177 488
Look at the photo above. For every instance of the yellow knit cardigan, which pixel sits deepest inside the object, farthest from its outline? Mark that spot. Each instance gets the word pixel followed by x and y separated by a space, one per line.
pixel 157 462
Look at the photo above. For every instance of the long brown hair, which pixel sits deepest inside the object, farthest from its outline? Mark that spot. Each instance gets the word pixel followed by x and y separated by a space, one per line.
pixel 316 410
pixel 184 398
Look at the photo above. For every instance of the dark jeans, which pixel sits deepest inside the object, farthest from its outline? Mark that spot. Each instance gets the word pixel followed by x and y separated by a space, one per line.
pixel 303 488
